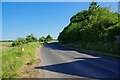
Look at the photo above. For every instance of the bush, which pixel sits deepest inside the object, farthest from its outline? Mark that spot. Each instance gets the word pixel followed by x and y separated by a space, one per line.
pixel 42 39
pixel 92 29
pixel 95 24
pixel 31 38
pixel 48 38
pixel 19 41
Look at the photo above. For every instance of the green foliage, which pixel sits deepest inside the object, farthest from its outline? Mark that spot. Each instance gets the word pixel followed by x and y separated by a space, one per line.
pixel 19 41
pixel 14 58
pixel 48 38
pixel 32 61
pixel 31 38
pixel 9 75
pixel 42 39
pixel 110 49
pixel 93 5
pixel 97 24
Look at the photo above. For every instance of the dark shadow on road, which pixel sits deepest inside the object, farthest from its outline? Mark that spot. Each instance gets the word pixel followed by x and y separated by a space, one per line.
pixel 56 46
pixel 81 68
pixel 88 67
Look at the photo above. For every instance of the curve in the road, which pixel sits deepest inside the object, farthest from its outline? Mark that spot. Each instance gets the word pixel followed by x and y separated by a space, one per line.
pixel 59 59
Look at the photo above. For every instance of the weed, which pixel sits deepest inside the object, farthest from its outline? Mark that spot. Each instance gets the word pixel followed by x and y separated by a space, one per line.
pixel 14 58
pixel 32 61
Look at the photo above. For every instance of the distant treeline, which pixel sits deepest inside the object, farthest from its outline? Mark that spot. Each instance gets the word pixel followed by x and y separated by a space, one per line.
pixel 96 29
pixel 6 41
pixel 31 38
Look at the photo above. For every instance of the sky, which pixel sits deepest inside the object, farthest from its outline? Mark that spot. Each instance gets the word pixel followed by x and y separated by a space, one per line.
pixel 41 18
pixel 0 20
pixel 59 0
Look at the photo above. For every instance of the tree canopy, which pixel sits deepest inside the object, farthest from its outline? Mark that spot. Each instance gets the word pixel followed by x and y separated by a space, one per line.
pixel 42 39
pixel 48 38
pixel 95 24
pixel 19 41
pixel 31 38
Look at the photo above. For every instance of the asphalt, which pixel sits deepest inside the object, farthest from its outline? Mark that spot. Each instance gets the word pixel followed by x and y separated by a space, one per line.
pixel 60 62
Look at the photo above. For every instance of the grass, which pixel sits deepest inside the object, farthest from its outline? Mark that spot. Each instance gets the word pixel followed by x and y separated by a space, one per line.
pixel 110 49
pixel 32 61
pixel 52 41
pixel 14 58
pixel 6 43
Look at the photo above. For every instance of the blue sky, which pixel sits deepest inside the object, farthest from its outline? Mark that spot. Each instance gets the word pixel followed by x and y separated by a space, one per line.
pixel 40 18
pixel 0 21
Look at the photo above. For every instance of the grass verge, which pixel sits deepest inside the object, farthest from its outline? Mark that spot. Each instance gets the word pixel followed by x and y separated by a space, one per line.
pixel 111 49
pixel 13 59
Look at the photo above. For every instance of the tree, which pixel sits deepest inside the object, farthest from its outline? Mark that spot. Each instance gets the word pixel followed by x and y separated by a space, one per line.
pixel 31 38
pixel 48 38
pixel 93 5
pixel 96 28
pixel 19 41
pixel 91 25
pixel 42 39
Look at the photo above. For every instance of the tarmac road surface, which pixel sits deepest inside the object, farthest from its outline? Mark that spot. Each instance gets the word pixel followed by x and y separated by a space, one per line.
pixel 60 62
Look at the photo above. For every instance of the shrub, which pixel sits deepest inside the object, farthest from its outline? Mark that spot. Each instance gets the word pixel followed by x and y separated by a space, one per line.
pixel 19 41
pixel 48 38
pixel 31 38
pixel 42 39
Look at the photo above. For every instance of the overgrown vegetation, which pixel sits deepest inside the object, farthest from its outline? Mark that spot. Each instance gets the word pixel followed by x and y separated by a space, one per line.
pixel 32 61
pixel 95 29
pixel 45 39
pixel 31 38
pixel 23 52
pixel 20 41
pixel 13 59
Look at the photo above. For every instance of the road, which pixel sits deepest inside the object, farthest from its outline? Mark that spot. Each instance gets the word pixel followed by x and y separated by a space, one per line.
pixel 60 62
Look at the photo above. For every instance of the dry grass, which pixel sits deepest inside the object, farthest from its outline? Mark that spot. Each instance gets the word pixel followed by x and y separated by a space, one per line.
pixel 5 45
